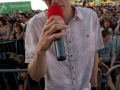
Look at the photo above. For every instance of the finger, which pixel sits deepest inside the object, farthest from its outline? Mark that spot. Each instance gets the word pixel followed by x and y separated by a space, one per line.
pixel 47 27
pixel 53 18
pixel 57 36
pixel 56 28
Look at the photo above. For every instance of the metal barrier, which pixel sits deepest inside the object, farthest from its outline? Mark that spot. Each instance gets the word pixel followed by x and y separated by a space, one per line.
pixel 8 47
pixel 14 71
pixel 99 79
pixel 116 41
pixel 107 75
pixel 4 72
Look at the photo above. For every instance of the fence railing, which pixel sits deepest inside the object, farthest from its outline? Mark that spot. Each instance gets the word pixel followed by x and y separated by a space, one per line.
pixel 99 79
pixel 14 72
pixel 8 47
pixel 17 46
pixel 8 86
pixel 108 74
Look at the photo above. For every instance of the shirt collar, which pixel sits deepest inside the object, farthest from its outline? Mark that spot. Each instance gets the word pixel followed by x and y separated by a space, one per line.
pixel 78 13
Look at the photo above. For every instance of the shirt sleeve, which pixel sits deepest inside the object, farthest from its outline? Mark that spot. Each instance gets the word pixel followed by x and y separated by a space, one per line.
pixel 98 36
pixel 113 47
pixel 31 41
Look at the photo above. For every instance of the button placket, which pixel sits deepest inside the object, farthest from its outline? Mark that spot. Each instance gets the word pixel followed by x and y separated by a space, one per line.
pixel 71 56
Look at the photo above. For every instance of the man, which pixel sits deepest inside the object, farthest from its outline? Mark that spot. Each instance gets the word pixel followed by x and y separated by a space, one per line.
pixel 81 33
pixel 107 59
pixel 16 16
pixel 23 19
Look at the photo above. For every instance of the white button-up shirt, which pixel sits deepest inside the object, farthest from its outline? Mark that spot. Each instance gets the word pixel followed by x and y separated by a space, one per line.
pixel 83 38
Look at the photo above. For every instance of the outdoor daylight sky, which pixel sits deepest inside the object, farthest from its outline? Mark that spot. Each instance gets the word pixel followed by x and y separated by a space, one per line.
pixel 36 4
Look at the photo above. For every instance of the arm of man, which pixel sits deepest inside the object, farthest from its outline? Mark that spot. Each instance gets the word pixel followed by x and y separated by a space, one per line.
pixel 1 38
pixel 95 71
pixel 38 66
pixel 104 12
pixel 116 31
pixel 113 58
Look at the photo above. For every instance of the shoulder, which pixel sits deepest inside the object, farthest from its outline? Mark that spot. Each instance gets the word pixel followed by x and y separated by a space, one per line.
pixel 86 11
pixel 111 43
pixel 38 18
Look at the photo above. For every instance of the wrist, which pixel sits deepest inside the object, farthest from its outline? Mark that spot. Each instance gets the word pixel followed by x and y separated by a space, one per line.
pixel 38 52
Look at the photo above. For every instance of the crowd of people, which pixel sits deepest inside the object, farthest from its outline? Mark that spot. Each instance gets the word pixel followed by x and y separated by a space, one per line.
pixel 14 27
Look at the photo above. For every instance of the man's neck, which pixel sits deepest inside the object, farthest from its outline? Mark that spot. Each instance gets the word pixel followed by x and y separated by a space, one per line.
pixel 70 15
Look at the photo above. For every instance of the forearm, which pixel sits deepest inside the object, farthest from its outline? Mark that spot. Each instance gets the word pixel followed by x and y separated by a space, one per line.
pixel 38 67
pixel 112 61
pixel 1 38
pixel 116 31
pixel 6 38
pixel 19 36
pixel 101 18
pixel 94 71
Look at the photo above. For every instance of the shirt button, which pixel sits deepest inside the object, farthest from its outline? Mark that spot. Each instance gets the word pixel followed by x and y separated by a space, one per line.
pixel 73 78
pixel 69 41
pixel 72 67
pixel 71 55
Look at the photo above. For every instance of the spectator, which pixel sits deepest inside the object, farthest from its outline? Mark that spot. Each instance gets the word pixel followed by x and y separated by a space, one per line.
pixel 15 17
pixel 29 16
pixel 117 16
pixel 23 19
pixel 118 9
pixel 106 26
pixel 22 76
pixel 117 29
pixel 32 12
pixel 101 15
pixel 17 32
pixel 109 15
pixel 107 58
pixel 4 29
